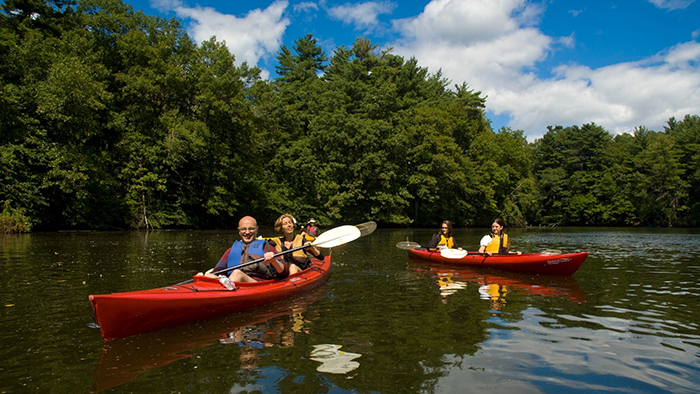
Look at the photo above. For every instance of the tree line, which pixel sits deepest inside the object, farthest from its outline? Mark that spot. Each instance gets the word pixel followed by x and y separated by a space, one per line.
pixel 111 118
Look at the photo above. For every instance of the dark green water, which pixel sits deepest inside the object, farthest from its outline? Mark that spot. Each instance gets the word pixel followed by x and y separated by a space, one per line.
pixel 626 322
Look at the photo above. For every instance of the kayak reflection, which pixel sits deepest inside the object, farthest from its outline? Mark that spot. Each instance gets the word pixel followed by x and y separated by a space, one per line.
pixel 123 360
pixel 495 285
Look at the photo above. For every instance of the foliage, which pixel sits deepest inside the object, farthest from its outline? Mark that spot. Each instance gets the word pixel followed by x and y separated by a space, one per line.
pixel 111 118
pixel 14 220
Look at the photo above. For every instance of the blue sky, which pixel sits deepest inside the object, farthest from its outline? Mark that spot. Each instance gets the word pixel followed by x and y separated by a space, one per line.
pixel 618 63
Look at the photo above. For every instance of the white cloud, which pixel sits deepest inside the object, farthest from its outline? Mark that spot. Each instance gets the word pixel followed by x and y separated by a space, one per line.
pixel 672 4
pixel 462 22
pixel 305 6
pixel 256 35
pixel 365 16
pixel 494 46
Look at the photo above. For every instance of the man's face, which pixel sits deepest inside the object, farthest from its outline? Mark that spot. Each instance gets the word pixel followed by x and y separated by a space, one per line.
pixel 248 229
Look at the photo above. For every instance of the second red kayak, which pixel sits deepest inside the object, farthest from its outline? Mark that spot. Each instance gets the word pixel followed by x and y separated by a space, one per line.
pixel 565 264
pixel 123 314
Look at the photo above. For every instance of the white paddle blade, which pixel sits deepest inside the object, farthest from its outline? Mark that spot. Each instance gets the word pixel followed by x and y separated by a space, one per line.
pixel 406 245
pixel 337 236
pixel 366 228
pixel 551 251
pixel 453 253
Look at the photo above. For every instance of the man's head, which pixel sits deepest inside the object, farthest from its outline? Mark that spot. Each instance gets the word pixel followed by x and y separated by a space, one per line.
pixel 312 221
pixel 248 229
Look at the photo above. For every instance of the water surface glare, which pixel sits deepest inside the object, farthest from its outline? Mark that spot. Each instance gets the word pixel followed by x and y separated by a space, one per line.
pixel 626 322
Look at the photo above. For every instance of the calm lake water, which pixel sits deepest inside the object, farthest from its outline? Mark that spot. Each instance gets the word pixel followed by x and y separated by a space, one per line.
pixel 626 322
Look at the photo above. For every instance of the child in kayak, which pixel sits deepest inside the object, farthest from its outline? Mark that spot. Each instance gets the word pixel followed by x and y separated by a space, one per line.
pixel 443 239
pixel 496 241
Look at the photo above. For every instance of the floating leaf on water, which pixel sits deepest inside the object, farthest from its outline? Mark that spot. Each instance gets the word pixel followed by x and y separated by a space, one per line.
pixel 9 305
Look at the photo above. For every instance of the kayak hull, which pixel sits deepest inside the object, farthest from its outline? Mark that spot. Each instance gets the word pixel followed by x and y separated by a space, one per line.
pixel 530 263
pixel 123 314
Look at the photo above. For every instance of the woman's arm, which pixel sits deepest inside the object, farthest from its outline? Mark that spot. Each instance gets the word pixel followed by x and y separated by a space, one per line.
pixel 433 242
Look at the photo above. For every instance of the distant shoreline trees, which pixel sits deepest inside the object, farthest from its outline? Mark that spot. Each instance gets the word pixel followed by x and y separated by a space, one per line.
pixel 110 119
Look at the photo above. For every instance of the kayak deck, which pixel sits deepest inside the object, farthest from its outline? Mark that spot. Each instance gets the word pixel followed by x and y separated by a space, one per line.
pixel 565 264
pixel 123 314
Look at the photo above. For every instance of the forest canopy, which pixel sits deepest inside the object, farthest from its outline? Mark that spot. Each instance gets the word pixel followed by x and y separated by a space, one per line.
pixel 110 119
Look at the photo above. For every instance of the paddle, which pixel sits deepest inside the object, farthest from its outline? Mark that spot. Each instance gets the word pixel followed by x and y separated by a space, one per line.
pixel 447 253
pixel 366 228
pixel 406 245
pixel 453 253
pixel 551 251
pixel 331 238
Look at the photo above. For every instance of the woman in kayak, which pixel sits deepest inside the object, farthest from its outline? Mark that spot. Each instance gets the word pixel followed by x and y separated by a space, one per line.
pixel 299 259
pixel 496 241
pixel 444 239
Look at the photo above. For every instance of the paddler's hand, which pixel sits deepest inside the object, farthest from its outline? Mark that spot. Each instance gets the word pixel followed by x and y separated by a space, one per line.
pixel 271 260
pixel 208 273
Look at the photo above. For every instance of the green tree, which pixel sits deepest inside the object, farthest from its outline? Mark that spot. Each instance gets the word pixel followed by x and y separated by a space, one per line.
pixel 569 163
pixel 504 177
pixel 686 136
pixel 659 173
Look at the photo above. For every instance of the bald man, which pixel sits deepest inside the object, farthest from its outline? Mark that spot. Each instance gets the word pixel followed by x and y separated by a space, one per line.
pixel 249 248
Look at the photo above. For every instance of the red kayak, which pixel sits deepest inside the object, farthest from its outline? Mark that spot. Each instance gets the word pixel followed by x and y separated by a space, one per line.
pixel 531 263
pixel 122 314
pixel 123 360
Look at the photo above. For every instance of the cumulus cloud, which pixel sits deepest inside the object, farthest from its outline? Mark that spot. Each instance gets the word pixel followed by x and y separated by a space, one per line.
pixel 364 16
pixel 672 4
pixel 256 35
pixel 496 47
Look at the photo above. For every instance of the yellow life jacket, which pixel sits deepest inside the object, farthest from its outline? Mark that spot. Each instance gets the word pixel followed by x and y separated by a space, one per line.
pixel 297 256
pixel 449 242
pixel 498 245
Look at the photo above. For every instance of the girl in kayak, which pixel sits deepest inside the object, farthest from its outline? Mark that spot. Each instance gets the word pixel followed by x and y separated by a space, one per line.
pixel 299 259
pixel 496 241
pixel 444 239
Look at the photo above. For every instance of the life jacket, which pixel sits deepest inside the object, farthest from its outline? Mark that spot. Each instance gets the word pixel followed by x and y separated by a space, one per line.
pixel 498 244
pixel 449 242
pixel 312 230
pixel 256 250
pixel 298 257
